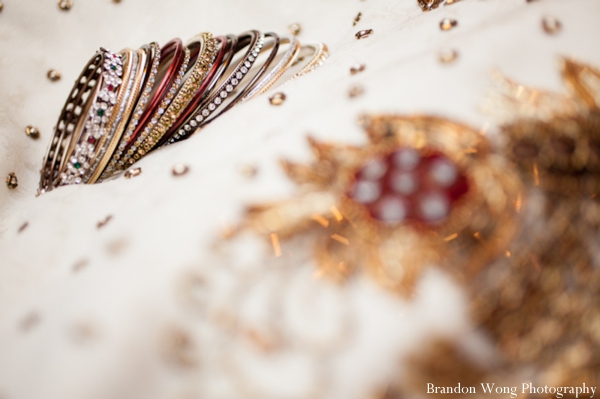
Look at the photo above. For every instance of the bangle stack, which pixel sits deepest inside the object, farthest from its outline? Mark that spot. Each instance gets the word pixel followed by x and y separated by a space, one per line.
pixel 126 104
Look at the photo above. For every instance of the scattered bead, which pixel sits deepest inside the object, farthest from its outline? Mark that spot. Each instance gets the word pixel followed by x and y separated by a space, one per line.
pixel 295 29
pixel 551 25
pixel 277 98
pixel 104 222
pixel 355 91
pixel 428 5
pixel 80 265
pixel 450 2
pixel 447 24
pixel 23 227
pixel 248 170
pixel 29 321
pixel 1 6
pixel 356 68
pixel 363 34
pixel 53 75
pixel 11 181
pixel 116 1
pixel 180 169
pixel 357 18
pixel 448 56
pixel 65 5
pixel 32 132
pixel 133 172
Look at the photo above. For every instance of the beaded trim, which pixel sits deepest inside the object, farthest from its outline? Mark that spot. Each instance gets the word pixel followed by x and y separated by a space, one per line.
pixel 187 92
pixel 137 113
pixel 132 154
pixel 221 93
pixel 97 119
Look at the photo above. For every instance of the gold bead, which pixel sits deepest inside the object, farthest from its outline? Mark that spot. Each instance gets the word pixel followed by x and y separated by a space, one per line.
pixel 551 25
pixel 11 181
pixel 133 172
pixel 295 29
pixel 180 169
pixel 363 34
pixel 1 6
pixel 32 132
pixel 448 56
pixel 355 91
pixel 65 5
pixel 357 18
pixel 248 170
pixel 53 75
pixel 116 1
pixel 277 98
pixel 356 68
pixel 447 24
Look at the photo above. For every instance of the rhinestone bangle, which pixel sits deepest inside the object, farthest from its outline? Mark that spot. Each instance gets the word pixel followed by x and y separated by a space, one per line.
pixel 134 87
pixel 223 91
pixel 278 71
pixel 142 105
pixel 217 69
pixel 186 93
pixel 99 117
pixel 88 81
pixel 134 153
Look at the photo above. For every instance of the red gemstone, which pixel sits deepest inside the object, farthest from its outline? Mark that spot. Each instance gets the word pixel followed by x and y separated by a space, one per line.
pixel 110 87
pixel 409 185
pixel 91 140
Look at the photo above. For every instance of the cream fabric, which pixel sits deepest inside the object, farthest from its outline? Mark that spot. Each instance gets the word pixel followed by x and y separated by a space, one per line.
pixel 126 323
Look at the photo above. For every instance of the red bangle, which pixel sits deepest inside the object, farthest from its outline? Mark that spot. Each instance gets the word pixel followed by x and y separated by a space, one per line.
pixel 220 64
pixel 174 48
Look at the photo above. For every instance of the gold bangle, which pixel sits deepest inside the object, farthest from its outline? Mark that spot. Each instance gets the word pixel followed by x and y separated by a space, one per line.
pixel 205 59
pixel 321 53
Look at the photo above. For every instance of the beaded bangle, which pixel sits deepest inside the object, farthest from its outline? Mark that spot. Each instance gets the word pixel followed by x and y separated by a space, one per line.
pixel 88 82
pixel 278 71
pixel 153 61
pixel 254 40
pixel 186 93
pixel 132 153
pixel 134 87
pixel 117 68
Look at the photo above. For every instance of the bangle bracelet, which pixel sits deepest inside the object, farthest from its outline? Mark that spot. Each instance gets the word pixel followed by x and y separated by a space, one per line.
pixel 171 58
pixel 254 40
pixel 87 82
pixel 256 78
pixel 321 53
pixel 132 154
pixel 100 114
pixel 134 86
pixel 278 71
pixel 192 83
pixel 209 81
pixel 154 55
